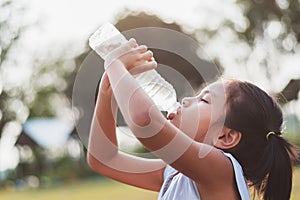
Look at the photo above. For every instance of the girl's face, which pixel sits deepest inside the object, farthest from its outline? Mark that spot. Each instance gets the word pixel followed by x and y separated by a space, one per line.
pixel 202 117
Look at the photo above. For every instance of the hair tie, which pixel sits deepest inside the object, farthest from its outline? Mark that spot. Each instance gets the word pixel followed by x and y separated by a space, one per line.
pixel 270 133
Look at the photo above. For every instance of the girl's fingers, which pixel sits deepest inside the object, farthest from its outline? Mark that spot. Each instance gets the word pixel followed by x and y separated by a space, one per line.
pixel 141 48
pixel 148 55
pixel 132 43
pixel 145 66
pixel 148 65
pixel 135 46
pixel 123 49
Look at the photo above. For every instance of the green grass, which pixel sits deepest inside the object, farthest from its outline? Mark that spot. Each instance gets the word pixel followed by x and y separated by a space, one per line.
pixel 296 185
pixel 89 189
pixel 102 189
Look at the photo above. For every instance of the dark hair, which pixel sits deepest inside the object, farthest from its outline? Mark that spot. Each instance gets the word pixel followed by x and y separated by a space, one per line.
pixel 267 161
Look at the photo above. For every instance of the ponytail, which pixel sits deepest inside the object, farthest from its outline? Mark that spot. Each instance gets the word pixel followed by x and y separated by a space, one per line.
pixel 278 156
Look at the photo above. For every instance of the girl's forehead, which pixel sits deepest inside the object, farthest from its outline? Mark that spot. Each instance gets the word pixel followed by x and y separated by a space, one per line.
pixel 216 88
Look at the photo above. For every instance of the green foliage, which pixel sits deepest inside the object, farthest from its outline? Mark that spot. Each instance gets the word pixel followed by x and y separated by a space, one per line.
pixel 43 93
pixel 68 169
pixel 9 35
pixel 260 12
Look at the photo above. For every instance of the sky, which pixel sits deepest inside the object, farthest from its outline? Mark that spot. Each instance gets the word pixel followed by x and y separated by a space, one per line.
pixel 58 23
pixel 66 20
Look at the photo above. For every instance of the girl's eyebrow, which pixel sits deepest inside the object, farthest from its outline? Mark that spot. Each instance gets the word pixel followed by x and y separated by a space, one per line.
pixel 206 91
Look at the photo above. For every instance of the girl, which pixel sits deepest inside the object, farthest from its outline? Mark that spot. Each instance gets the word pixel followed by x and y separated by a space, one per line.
pixel 212 147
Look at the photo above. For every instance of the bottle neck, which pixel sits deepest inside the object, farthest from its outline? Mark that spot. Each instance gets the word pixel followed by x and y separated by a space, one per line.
pixel 173 107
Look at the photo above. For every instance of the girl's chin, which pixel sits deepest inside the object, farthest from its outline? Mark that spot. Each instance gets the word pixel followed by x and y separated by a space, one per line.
pixel 175 123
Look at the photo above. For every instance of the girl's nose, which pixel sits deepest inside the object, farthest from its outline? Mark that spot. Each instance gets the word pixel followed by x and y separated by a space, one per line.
pixel 187 101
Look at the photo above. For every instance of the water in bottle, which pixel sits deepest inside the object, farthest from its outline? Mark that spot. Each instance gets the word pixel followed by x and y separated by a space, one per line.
pixel 107 38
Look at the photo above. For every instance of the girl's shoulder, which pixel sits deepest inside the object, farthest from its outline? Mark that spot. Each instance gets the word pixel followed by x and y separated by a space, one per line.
pixel 169 171
pixel 240 179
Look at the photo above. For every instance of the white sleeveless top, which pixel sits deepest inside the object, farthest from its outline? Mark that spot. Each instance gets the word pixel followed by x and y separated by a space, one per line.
pixel 177 186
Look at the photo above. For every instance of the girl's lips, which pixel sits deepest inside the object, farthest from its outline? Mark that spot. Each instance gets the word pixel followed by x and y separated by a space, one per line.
pixel 173 114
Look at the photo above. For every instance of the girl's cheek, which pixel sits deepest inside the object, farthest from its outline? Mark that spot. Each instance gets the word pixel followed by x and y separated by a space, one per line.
pixel 189 121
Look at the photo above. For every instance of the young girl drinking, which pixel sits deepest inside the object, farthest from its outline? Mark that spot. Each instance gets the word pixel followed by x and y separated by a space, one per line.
pixel 212 147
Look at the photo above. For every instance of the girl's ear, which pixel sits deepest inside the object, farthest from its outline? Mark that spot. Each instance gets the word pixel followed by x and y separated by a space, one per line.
pixel 228 138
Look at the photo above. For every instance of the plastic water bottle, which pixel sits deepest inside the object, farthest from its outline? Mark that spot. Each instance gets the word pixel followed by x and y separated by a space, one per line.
pixel 107 38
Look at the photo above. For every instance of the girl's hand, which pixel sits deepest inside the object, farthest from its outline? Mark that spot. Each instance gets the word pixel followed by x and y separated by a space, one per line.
pixel 136 58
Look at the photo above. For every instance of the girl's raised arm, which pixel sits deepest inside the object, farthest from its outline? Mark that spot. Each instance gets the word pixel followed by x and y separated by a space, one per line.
pixel 104 156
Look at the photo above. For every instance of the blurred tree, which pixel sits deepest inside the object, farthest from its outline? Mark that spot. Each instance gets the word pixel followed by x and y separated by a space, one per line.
pixel 27 89
pixel 262 13
pixel 9 35
pixel 253 19
pixel 263 36
pixel 290 92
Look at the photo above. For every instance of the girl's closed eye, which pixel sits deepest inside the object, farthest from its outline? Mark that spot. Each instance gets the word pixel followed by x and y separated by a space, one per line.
pixel 205 101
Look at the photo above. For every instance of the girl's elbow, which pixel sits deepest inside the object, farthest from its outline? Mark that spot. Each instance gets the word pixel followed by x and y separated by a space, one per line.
pixel 149 119
pixel 91 161
pixel 140 120
pixel 94 163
